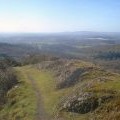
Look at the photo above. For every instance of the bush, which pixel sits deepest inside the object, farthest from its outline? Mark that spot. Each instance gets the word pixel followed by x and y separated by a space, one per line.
pixel 7 80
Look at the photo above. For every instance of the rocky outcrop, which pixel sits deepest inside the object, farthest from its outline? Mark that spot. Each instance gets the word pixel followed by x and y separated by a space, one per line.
pixel 70 80
pixel 84 103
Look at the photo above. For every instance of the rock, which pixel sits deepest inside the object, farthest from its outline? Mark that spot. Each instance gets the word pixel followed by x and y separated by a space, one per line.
pixel 85 102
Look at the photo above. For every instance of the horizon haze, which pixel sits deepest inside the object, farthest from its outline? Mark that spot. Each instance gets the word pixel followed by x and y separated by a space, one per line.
pixel 49 16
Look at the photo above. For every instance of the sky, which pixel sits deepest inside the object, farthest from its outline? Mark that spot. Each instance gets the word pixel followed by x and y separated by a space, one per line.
pixel 59 15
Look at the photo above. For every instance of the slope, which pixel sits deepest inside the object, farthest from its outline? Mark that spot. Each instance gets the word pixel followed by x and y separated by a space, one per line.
pixel 65 90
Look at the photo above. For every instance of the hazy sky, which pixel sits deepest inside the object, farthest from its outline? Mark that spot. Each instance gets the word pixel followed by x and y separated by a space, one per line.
pixel 59 15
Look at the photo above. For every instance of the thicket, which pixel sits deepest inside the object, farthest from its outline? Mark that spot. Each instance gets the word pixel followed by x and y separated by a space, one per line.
pixel 8 79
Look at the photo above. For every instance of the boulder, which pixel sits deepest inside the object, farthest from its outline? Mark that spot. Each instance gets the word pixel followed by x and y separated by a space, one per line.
pixel 85 102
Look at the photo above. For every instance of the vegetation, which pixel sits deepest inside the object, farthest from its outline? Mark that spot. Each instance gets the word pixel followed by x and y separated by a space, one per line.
pixel 109 56
pixel 20 104
pixel 46 83
pixel 36 58
pixel 93 81
pixel 7 61
pixel 8 79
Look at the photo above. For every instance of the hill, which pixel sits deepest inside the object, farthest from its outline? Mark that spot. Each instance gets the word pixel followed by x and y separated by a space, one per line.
pixel 65 89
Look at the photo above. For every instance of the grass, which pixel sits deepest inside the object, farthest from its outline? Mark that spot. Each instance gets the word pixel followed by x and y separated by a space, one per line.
pixel 20 105
pixel 46 82
pixel 113 83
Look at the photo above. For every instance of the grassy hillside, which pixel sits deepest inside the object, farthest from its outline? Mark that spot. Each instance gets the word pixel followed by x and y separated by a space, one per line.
pixel 46 83
pixel 20 105
pixel 96 87
pixel 69 90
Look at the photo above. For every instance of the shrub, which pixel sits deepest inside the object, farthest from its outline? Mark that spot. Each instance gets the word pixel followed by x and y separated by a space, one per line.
pixel 7 80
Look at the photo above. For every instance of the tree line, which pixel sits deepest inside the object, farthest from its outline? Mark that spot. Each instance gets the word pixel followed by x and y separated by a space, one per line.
pixel 111 55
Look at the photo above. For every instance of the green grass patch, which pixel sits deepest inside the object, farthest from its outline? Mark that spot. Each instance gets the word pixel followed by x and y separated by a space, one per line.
pixel 22 106
pixel 51 96
pixel 47 84
pixel 21 101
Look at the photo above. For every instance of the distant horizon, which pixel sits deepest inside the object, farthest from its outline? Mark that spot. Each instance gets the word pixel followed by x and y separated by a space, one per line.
pixel 57 32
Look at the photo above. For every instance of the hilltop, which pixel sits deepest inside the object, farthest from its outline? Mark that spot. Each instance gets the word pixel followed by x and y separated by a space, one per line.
pixel 67 89
pixel 94 90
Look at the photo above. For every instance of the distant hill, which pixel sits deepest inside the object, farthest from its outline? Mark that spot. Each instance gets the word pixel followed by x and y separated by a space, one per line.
pixel 49 37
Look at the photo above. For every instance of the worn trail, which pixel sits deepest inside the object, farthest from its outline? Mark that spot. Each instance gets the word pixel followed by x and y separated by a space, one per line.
pixel 41 113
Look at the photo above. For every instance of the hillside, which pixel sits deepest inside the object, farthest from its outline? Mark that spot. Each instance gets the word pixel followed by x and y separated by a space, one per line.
pixel 91 89
pixel 66 90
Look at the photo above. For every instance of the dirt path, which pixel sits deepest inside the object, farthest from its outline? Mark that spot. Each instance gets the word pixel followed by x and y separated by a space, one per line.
pixel 41 113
